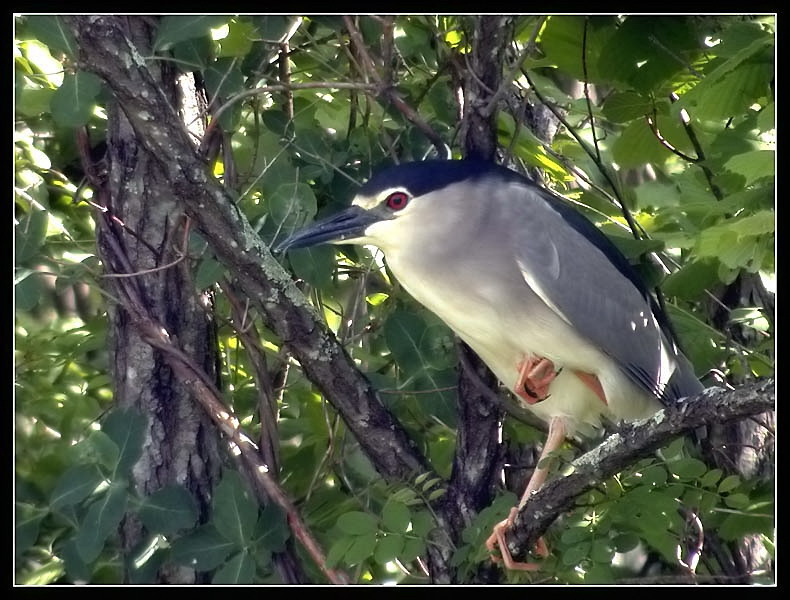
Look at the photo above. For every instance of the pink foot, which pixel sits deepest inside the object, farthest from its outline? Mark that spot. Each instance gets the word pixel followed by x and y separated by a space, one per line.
pixel 535 374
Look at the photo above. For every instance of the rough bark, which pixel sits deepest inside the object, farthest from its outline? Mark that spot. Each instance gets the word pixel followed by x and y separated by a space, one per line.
pixel 106 51
pixel 630 443
pixel 180 446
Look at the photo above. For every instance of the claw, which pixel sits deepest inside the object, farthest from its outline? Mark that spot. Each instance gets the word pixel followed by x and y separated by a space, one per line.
pixel 497 538
pixel 534 377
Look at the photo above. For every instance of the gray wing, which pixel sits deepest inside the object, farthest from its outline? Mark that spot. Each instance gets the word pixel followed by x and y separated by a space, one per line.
pixel 582 276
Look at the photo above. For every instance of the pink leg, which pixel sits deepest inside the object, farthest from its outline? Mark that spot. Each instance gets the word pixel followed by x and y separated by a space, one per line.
pixel 497 538
pixel 591 381
pixel 535 374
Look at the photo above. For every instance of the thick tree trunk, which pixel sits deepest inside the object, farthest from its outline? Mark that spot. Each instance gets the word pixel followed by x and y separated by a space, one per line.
pixel 181 445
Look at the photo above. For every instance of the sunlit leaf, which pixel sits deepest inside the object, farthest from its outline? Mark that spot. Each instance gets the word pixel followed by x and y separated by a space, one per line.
pixel 177 28
pixel 53 32
pixel 753 165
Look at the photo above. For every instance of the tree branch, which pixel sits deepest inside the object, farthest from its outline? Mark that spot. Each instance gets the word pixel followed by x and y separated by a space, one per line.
pixel 105 51
pixel 630 443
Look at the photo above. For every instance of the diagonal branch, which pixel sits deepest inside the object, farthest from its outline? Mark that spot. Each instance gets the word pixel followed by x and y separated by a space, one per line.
pixel 630 443
pixel 105 51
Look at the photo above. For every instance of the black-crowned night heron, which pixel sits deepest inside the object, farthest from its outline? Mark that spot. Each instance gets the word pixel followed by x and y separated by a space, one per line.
pixel 541 294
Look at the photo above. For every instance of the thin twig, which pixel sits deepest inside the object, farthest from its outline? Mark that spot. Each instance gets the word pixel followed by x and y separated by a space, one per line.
pixel 587 94
pixel 616 199
pixel 315 85
pixel 508 79
pixel 652 122
pixel 388 93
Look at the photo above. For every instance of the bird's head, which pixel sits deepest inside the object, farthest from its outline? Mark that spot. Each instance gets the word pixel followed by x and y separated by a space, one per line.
pixel 404 205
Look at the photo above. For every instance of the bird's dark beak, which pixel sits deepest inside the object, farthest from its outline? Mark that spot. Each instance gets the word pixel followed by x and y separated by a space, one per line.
pixel 347 224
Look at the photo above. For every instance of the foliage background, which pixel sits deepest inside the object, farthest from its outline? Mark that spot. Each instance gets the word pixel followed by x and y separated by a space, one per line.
pixel 672 117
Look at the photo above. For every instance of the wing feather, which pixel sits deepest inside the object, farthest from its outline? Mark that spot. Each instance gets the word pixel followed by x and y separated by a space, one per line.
pixel 574 268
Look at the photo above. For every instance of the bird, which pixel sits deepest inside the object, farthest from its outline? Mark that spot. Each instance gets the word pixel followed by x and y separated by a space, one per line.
pixel 538 291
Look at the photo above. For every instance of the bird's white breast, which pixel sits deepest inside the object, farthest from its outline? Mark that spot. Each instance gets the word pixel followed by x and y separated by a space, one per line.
pixel 472 305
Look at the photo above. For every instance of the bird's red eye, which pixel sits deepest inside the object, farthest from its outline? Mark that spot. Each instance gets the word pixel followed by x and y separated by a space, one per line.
pixel 397 200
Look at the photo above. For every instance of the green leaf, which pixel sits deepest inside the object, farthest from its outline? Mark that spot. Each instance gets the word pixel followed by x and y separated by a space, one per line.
pixel 72 103
pixel 766 120
pixel 203 549
pixel 388 548
pixel 194 54
pixel 238 42
pixel 315 265
pixel 711 478
pixel 602 551
pixel 729 483
pixel 97 448
pixel 573 535
pixel 692 279
pixel 338 550
pixel 413 548
pixel 642 52
pixel 169 509
pixel 736 526
pixel 143 568
pixel 224 78
pixel 396 516
pixel 29 235
pixel 404 333
pixel 208 273
pixel 422 523
pixel 599 574
pixel 626 106
pixel 274 28
pixel 358 523
pixel 576 553
pixel 27 521
pixel 734 84
pixel 753 165
pixel 438 493
pixel 101 521
pixel 239 569
pixel 738 242
pixel 633 248
pixel 177 28
pixel 235 512
pixel 638 145
pixel 126 428
pixel 52 31
pixel 738 500
pixel 75 485
pixel 625 542
pixel 560 43
pixel 76 568
pixel 27 290
pixel 272 529
pixel 361 549
pixel 290 207
pixel 688 468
